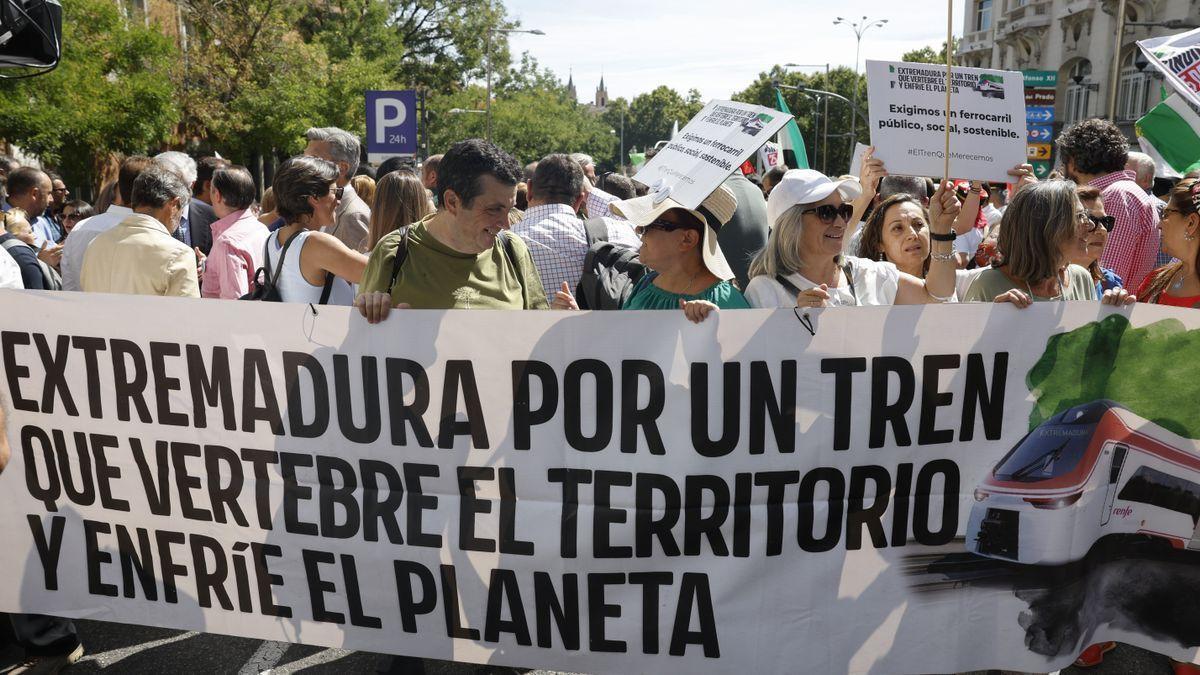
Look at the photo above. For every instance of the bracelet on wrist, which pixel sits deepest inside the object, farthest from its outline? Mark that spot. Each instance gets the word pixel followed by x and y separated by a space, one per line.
pixel 937 236
pixel 942 257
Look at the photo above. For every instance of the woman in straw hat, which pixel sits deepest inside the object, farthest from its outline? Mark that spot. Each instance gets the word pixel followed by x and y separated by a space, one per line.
pixel 679 245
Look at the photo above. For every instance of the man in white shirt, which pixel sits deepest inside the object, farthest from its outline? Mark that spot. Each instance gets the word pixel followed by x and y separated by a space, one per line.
pixel 83 234
pixel 10 272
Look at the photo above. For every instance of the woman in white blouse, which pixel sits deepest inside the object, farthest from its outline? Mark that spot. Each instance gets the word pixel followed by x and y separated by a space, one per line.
pixel 802 264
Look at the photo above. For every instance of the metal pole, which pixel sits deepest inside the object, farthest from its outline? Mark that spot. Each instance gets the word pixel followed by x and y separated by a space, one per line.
pixel 854 104
pixel 825 135
pixel 622 158
pixel 488 55
pixel 1115 73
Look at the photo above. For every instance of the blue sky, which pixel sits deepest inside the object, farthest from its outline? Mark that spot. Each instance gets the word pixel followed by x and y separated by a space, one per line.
pixel 717 47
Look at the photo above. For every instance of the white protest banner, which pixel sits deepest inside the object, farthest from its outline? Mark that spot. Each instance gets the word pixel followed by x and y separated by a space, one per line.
pixel 907 105
pixel 1177 57
pixel 714 143
pixel 911 489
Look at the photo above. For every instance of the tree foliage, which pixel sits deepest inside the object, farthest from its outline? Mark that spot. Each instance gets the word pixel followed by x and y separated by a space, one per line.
pixel 928 55
pixel 112 92
pixel 651 115
pixel 829 152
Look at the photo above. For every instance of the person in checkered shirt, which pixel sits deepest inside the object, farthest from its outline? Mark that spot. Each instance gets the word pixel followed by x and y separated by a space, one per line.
pixel 1094 152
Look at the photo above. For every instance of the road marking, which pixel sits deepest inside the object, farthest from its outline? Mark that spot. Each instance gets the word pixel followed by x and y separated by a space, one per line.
pixel 265 658
pixel 106 659
pixel 322 657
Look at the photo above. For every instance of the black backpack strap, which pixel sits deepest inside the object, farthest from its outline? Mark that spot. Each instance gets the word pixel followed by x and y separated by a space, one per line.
pixel 270 279
pixel 787 285
pixel 328 288
pixel 596 230
pixel 398 261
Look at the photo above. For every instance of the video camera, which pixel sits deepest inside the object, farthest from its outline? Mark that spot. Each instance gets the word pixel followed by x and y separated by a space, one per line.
pixel 30 36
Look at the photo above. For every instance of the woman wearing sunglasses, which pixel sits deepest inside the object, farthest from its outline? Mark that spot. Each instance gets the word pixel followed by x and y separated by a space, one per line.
pixel 688 271
pixel 1043 230
pixel 803 266
pixel 1088 254
pixel 306 264
pixel 1178 283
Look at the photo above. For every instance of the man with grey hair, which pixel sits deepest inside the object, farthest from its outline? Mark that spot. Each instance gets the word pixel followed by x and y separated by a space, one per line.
pixel 352 217
pixel 588 164
pixel 1143 167
pixel 134 257
pixel 195 226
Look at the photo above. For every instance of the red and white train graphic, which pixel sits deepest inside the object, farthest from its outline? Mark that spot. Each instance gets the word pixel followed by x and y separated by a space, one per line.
pixel 1092 472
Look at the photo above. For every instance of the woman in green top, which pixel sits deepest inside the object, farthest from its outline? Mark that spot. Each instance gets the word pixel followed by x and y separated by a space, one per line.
pixel 688 269
pixel 1043 228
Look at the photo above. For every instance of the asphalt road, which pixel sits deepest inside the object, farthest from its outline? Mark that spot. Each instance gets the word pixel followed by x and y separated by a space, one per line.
pixel 117 648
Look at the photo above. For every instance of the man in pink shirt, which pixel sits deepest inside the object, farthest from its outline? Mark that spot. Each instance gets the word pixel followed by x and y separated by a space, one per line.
pixel 238 236
pixel 1094 152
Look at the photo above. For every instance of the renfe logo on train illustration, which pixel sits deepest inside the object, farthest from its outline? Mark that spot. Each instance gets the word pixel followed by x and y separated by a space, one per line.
pixel 1054 495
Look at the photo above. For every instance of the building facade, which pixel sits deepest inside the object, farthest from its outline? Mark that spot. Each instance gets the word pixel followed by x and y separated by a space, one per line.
pixel 1076 39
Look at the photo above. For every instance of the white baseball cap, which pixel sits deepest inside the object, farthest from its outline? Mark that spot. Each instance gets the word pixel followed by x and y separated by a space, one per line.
pixel 806 186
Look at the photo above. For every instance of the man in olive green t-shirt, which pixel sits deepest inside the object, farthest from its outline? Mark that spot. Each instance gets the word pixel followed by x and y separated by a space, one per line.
pixel 462 256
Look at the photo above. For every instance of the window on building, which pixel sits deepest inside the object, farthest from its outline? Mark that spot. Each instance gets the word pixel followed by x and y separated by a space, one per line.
pixel 983 15
pixel 1136 88
pixel 1079 91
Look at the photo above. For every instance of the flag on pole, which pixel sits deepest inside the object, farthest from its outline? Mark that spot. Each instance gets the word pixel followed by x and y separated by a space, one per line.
pixel 1170 133
pixel 1178 57
pixel 789 137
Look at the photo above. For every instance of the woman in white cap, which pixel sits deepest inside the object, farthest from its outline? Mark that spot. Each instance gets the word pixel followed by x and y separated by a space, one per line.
pixel 679 245
pixel 803 265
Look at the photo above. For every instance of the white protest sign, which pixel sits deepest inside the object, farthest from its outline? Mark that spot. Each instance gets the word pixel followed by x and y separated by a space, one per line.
pixel 714 143
pixel 734 496
pixel 856 158
pixel 987 120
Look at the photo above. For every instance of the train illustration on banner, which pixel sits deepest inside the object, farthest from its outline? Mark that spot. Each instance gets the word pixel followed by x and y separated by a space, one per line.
pixel 1094 472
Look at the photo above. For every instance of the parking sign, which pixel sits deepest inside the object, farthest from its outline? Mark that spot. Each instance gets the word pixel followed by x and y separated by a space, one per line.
pixel 391 124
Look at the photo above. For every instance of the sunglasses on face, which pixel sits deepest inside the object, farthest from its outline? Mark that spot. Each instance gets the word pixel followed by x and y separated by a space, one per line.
pixel 1106 222
pixel 640 230
pixel 828 212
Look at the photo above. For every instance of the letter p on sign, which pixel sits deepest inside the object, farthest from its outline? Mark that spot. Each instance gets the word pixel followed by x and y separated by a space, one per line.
pixel 389 112
pixel 391 124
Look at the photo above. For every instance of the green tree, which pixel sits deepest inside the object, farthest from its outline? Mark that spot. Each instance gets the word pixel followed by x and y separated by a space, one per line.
pixel 112 92
pixel 830 153
pixel 927 55
pixel 652 114
pixel 527 123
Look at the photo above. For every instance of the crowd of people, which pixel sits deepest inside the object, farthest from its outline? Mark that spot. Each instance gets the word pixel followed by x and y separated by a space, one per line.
pixel 473 229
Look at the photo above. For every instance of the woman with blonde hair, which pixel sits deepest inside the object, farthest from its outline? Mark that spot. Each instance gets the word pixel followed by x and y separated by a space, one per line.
pixel 803 266
pixel 364 187
pixel 400 200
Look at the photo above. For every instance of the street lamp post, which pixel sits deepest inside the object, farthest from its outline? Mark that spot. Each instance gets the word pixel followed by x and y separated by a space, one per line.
pixel 859 27
pixel 817 114
pixel 623 172
pixel 821 92
pixel 488 54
